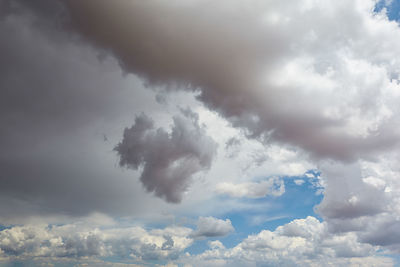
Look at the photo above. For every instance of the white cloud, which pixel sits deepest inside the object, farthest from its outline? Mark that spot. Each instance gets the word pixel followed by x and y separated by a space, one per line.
pixel 215 244
pixel 316 82
pixel 299 181
pixel 303 242
pixel 77 241
pixel 273 186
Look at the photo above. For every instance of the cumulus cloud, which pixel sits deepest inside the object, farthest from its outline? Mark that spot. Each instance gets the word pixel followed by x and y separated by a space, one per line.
pixel 212 227
pixel 288 74
pixel 273 187
pixel 169 160
pixel 76 241
pixel 285 81
pixel 352 197
pixel 319 79
pixel 363 198
pixel 88 240
pixel 305 242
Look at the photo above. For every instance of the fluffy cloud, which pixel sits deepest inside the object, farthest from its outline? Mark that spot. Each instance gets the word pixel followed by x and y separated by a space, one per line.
pixel 318 80
pixel 281 80
pixel 363 198
pixel 353 198
pixel 76 241
pixel 169 160
pixel 90 240
pixel 319 85
pixel 288 74
pixel 305 242
pixel 273 186
pixel 212 227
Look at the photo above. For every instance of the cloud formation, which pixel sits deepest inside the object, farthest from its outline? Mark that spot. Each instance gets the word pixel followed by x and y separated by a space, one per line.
pixel 314 81
pixel 212 227
pixel 273 187
pixel 92 240
pixel 77 241
pixel 267 67
pixel 58 97
pixel 169 160
pixel 284 73
pixel 304 242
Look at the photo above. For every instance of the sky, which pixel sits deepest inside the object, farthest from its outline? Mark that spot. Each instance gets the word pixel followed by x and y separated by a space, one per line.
pixel 199 133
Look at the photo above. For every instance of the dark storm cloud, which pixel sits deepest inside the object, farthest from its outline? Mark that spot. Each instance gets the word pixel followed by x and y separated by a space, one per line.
pixel 169 160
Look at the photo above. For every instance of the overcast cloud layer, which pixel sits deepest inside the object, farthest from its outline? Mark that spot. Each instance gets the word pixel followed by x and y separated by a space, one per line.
pixel 94 120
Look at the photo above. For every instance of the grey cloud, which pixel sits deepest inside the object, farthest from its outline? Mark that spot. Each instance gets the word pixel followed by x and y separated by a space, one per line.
pixel 362 199
pixel 212 227
pixel 232 142
pixel 241 60
pixel 346 196
pixel 169 160
pixel 382 231
pixel 56 99
pixel 291 73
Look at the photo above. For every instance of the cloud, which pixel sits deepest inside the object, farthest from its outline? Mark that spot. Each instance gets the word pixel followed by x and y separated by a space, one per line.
pixel 212 227
pixel 305 242
pixel 362 199
pixel 347 195
pixel 169 160
pixel 273 186
pixel 58 97
pixel 77 241
pixel 299 182
pixel 317 80
pixel 88 240
pixel 280 80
